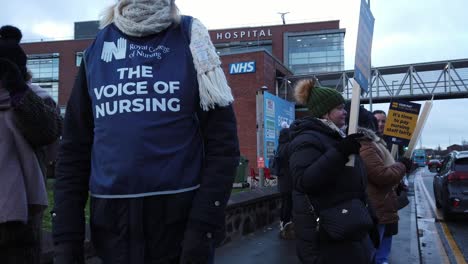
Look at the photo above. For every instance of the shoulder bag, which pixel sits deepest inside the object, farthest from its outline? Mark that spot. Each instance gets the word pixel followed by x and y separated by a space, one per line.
pixel 347 220
pixel 402 195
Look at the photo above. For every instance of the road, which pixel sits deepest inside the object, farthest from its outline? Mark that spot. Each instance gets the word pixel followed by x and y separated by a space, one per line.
pixel 453 234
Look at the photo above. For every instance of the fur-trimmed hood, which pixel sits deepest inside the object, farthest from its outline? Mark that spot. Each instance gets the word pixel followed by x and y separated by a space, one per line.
pixel 370 135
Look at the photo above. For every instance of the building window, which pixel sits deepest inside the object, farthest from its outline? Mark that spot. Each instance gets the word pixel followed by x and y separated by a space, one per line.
pixel 45 72
pixel 51 87
pixel 315 53
pixel 63 110
pixel 243 46
pixel 78 58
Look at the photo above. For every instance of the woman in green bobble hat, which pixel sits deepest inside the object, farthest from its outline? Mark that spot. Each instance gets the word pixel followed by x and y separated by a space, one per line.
pixel 319 150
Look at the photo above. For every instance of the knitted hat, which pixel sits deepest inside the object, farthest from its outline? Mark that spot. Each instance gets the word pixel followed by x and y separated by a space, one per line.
pixel 10 49
pixel 319 100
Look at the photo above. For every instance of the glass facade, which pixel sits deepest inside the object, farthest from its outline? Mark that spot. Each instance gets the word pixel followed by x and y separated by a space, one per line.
pixel 315 53
pixel 45 72
pixel 78 58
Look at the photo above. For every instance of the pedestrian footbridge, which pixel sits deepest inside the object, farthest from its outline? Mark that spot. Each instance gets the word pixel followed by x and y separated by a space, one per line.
pixel 410 82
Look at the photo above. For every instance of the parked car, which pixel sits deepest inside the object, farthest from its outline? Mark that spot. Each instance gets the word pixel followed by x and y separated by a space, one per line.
pixel 434 164
pixel 451 184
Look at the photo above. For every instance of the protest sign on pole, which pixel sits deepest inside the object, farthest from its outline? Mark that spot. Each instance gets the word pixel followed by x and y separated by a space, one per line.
pixel 419 127
pixel 401 123
pixel 362 65
pixel 362 59
pixel 353 116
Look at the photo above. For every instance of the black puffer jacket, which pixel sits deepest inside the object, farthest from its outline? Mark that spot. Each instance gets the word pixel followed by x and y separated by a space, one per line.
pixel 221 153
pixel 284 176
pixel 319 170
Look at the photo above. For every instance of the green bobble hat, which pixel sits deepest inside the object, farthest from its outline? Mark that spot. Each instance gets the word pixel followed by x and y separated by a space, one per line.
pixel 319 100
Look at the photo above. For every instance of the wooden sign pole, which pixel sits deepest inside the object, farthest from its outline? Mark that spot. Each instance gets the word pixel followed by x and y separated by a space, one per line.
pixel 354 116
pixel 419 126
pixel 394 150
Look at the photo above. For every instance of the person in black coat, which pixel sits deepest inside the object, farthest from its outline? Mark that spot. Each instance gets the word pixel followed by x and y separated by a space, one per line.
pixel 319 150
pixel 365 118
pixel 285 185
pixel 157 157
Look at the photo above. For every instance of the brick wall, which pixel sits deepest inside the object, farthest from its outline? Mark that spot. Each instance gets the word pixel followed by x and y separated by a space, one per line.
pixel 244 87
pixel 67 61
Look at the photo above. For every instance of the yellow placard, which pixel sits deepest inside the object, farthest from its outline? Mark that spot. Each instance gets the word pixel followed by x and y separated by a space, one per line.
pixel 400 124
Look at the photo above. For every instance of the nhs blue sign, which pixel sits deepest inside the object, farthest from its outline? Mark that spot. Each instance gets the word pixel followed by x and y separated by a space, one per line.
pixel 242 67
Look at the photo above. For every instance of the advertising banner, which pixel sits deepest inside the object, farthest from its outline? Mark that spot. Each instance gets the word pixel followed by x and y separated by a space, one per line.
pixel 276 111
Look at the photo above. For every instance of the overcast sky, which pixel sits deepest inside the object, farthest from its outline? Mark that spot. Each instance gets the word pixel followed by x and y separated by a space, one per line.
pixel 405 32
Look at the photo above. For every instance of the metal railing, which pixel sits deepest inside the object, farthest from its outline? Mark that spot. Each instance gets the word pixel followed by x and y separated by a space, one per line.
pixel 413 82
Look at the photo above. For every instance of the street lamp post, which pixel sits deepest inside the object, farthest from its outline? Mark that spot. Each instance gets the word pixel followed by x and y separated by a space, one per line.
pixel 282 16
pixel 260 132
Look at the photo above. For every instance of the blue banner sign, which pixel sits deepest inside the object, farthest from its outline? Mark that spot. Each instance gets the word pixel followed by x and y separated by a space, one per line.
pixel 362 61
pixel 276 111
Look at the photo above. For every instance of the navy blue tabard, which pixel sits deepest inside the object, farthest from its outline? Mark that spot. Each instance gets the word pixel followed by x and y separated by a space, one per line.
pixel 144 95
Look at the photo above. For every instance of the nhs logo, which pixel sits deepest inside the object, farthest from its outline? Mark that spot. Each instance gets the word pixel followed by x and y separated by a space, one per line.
pixel 242 67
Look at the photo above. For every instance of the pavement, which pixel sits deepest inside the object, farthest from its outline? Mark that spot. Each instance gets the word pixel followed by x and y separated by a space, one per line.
pixel 265 246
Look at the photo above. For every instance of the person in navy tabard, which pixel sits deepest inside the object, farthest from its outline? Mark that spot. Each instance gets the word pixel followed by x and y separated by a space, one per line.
pixel 150 134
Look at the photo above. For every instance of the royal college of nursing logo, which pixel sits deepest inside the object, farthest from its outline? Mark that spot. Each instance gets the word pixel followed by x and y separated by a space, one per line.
pixel 110 50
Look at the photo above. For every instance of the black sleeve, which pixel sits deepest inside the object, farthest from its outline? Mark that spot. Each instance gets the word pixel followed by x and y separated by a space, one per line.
pixel 38 122
pixel 221 145
pixel 73 165
pixel 313 166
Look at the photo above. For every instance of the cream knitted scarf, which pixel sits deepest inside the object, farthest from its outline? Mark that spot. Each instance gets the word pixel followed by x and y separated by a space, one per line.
pixel 145 17
pixel 332 125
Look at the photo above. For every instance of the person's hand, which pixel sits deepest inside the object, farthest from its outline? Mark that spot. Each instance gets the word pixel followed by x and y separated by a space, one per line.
pixel 349 145
pixel 197 247
pixel 407 162
pixel 11 77
pixel 375 236
pixel 69 253
pixel 401 187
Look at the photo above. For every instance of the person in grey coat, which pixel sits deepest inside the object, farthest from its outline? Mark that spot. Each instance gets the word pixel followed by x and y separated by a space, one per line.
pixel 27 123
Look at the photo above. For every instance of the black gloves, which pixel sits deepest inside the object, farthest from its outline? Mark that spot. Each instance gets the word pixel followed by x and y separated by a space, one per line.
pixel 69 253
pixel 401 187
pixel 11 77
pixel 407 162
pixel 375 236
pixel 349 145
pixel 197 247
